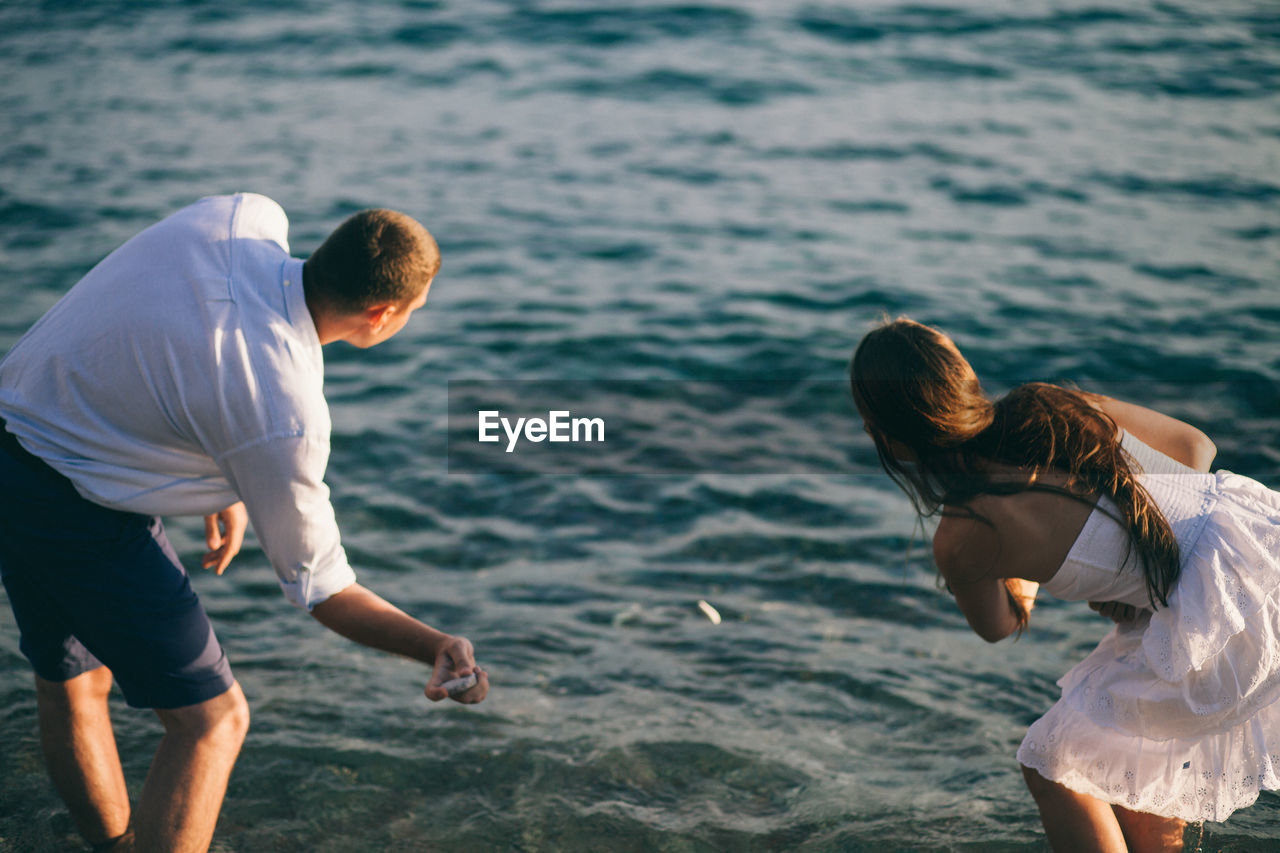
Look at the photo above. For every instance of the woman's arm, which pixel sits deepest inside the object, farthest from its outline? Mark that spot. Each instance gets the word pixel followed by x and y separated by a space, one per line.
pixel 1172 437
pixel 964 550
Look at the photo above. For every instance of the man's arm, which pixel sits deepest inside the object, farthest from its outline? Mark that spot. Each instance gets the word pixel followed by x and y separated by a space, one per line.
pixel 361 615
pixel 281 482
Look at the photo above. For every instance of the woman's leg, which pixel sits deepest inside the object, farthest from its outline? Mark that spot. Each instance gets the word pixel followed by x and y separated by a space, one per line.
pixel 1074 822
pixel 1148 833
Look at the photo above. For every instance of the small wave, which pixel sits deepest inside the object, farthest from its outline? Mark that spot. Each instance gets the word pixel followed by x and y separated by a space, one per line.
pixel 1200 274
pixel 1006 195
pixel 1071 248
pixel 433 35
pixel 607 26
pixel 22 214
pixel 850 27
pixel 664 83
pixel 887 153
pixel 1257 232
pixel 1208 188
pixel 870 206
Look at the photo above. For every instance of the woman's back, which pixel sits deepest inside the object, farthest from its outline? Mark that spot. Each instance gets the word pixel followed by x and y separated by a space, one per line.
pixel 1045 536
pixel 992 537
pixel 1101 564
pixel 1024 535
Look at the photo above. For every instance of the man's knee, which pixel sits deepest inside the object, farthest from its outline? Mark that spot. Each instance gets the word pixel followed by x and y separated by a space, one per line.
pixel 92 686
pixel 225 717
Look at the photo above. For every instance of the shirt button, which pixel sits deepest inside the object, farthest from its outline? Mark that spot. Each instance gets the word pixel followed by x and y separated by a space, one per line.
pixel 287 282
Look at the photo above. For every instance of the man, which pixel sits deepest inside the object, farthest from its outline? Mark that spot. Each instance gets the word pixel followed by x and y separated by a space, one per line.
pixel 183 375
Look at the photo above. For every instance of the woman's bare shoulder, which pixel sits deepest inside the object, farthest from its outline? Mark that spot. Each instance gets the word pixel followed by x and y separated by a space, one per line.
pixel 1024 535
pixel 966 542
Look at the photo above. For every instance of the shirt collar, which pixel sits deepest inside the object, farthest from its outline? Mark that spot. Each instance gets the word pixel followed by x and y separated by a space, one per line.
pixel 295 300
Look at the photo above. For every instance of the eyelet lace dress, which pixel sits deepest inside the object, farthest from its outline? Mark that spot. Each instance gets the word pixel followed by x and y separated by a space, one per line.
pixel 1177 713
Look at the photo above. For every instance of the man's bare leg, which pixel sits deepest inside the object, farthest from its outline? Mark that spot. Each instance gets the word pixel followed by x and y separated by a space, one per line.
pixel 80 752
pixel 1073 822
pixel 1148 833
pixel 180 801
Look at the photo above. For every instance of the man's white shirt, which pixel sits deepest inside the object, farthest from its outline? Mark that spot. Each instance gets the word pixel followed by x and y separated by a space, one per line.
pixel 182 374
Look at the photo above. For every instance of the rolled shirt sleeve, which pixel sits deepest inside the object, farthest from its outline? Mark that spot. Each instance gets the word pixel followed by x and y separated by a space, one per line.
pixel 281 481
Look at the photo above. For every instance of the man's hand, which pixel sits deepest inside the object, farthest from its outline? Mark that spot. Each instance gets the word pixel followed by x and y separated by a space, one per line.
pixel 224 534
pixel 364 616
pixel 1116 611
pixel 457 660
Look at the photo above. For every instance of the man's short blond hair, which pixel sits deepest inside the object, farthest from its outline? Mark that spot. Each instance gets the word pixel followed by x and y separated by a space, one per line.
pixel 376 256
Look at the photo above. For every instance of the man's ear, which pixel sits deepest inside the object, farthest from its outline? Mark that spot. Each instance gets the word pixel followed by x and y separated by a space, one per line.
pixel 378 315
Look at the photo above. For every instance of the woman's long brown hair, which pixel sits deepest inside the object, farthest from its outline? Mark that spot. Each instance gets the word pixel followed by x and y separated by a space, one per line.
pixel 916 391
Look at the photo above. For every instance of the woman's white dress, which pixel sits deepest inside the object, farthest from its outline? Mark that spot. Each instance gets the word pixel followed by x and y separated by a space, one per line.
pixel 1178 713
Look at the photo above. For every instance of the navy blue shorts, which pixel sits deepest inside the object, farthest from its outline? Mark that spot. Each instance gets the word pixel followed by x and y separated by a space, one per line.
pixel 91 586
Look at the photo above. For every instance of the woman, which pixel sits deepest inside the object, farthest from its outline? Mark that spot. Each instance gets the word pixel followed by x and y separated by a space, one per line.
pixel 1174 716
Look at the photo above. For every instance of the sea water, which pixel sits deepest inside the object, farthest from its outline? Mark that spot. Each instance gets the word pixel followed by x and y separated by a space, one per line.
pixel 710 202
